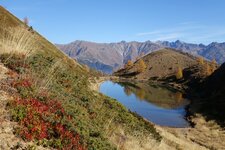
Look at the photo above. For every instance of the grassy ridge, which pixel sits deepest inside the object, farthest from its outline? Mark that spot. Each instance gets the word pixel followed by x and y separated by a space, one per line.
pixel 42 74
pixel 93 116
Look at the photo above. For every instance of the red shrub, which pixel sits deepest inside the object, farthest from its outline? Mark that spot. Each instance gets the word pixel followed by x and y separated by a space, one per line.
pixel 36 127
pixel 22 83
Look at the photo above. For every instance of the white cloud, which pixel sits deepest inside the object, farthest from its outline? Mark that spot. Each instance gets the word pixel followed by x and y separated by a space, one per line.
pixel 173 36
pixel 187 31
pixel 148 33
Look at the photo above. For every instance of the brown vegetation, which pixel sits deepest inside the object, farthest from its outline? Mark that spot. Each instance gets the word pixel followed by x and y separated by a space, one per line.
pixel 201 60
pixel 158 64
pixel 18 39
pixel 179 73
pixel 128 64
pixel 45 73
pixel 208 70
pixel 214 65
pixel 141 66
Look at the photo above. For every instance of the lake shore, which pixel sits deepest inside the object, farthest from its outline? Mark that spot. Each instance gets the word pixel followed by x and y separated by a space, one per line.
pixel 203 135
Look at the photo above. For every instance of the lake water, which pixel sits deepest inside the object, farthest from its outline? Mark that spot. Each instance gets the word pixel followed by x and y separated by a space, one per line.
pixel 158 105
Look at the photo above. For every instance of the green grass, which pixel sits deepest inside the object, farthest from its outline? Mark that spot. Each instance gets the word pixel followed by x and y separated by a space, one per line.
pixel 54 76
pixel 94 116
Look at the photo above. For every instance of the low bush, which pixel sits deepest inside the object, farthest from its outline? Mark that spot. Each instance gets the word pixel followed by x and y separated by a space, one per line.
pixel 56 108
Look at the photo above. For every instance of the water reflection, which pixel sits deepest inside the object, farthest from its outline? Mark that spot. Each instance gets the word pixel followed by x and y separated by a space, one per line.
pixel 159 105
pixel 159 96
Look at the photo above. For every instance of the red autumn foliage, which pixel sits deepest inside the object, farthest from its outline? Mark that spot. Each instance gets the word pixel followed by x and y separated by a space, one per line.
pixel 36 125
pixel 22 83
pixel 39 118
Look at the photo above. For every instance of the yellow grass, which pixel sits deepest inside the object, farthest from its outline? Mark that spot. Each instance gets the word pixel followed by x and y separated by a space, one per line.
pixel 18 40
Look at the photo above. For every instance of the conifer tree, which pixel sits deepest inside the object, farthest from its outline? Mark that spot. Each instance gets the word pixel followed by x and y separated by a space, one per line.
pixel 141 66
pixel 200 60
pixel 208 69
pixel 129 64
pixel 179 73
pixel 214 65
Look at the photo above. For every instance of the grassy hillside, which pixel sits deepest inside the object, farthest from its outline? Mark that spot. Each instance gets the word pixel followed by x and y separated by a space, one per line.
pixel 211 103
pixel 171 67
pixel 159 64
pixel 53 103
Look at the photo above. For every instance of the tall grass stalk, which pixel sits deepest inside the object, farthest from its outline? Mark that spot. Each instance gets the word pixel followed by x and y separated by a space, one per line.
pixel 18 40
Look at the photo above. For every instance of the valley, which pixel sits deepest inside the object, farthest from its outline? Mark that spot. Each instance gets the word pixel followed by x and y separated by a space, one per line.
pixel 51 101
pixel 203 124
pixel 108 96
pixel 108 57
pixel 199 134
pixel 156 104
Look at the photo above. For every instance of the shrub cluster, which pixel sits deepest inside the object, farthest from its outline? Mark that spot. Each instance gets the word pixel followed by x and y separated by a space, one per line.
pixel 41 118
pixel 56 108
pixel 44 120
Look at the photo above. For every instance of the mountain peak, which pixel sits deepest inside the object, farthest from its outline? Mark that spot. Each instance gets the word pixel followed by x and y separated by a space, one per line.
pixel 116 54
pixel 179 42
pixel 123 41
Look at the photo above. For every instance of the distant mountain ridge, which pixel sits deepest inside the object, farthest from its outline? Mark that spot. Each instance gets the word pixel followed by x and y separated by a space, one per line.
pixel 108 57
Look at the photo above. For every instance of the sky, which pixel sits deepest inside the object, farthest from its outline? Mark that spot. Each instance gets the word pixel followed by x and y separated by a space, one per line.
pixel 64 21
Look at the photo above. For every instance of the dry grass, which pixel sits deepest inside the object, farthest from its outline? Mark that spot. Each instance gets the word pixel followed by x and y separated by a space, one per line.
pixel 49 69
pixel 18 40
pixel 161 63
pixel 15 36
pixel 128 142
pixel 44 83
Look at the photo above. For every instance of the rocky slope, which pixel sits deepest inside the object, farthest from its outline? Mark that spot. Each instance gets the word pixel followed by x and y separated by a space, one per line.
pixel 214 51
pixel 108 57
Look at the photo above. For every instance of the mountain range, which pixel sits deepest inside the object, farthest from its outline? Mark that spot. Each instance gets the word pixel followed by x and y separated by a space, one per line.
pixel 108 57
pixel 47 99
pixel 47 96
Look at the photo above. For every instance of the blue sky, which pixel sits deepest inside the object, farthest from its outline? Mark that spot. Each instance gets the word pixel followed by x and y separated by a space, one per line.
pixel 63 21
